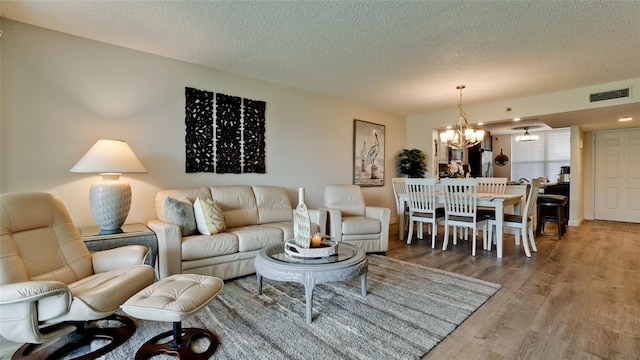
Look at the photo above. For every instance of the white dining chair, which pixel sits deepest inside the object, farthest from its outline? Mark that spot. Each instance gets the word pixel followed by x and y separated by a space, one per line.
pixel 400 188
pixel 461 210
pixel 423 208
pixel 522 223
pixel 492 185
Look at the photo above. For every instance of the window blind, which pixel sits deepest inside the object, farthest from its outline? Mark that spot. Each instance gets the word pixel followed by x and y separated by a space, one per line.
pixel 542 158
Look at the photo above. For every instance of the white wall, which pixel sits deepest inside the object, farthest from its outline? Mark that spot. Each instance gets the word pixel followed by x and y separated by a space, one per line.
pixel 419 127
pixel 577 188
pixel 61 93
pixel 502 142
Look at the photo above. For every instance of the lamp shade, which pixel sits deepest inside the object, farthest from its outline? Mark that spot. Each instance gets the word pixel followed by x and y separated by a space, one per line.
pixel 109 156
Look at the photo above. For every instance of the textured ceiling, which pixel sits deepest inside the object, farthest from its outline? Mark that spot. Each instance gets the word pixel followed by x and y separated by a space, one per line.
pixel 402 56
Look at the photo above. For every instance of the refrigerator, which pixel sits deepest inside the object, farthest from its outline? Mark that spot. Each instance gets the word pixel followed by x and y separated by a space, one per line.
pixel 486 163
pixel 480 161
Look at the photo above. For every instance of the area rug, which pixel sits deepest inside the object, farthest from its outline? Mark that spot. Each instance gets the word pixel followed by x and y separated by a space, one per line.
pixel 408 310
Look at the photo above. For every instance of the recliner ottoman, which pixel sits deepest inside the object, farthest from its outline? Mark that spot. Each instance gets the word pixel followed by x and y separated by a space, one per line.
pixel 174 299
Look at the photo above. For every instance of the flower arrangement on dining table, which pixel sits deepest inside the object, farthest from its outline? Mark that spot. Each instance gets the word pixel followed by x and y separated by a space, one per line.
pixel 456 169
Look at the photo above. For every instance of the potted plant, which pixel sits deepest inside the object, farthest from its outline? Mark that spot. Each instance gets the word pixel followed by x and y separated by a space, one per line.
pixel 412 163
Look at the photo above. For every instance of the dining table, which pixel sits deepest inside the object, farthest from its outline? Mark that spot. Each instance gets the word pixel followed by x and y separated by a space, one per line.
pixel 498 202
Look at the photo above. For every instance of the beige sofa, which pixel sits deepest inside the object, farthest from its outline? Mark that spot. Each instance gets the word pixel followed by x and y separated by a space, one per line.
pixel 255 216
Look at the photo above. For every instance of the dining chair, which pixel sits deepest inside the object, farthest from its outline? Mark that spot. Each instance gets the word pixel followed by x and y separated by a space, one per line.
pixel 492 185
pixel 400 188
pixel 522 223
pixel 423 207
pixel 461 210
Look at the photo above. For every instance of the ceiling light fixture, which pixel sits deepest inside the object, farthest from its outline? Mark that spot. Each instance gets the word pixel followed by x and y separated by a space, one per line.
pixel 527 136
pixel 628 118
pixel 464 135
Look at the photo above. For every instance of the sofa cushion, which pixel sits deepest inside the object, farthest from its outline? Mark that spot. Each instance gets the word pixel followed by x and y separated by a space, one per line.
pixel 217 218
pixel 205 246
pixel 255 237
pixel 209 217
pixel 287 228
pixel 360 225
pixel 179 212
pixel 184 194
pixel 346 198
pixel 238 204
pixel 273 204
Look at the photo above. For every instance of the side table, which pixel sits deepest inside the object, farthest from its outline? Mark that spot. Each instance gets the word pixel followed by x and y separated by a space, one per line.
pixel 132 234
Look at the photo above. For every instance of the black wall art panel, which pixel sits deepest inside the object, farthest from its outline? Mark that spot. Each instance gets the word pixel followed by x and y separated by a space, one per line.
pixel 224 134
pixel 228 134
pixel 199 130
pixel 254 128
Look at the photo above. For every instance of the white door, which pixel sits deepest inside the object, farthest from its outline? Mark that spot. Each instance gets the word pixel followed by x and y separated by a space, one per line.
pixel 617 175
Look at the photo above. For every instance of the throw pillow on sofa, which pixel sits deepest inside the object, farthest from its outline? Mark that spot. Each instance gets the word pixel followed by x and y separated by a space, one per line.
pixel 180 212
pixel 209 217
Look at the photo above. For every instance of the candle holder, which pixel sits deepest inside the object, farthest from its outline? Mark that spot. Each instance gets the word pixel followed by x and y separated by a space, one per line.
pixel 325 248
pixel 316 239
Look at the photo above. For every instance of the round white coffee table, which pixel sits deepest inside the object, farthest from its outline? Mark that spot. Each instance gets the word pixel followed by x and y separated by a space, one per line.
pixel 273 263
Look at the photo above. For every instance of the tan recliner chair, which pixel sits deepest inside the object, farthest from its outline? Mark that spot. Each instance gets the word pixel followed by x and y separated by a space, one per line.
pixel 51 286
pixel 355 223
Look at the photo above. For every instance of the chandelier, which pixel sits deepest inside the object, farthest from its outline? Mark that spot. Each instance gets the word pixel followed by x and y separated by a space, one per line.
pixel 526 136
pixel 464 135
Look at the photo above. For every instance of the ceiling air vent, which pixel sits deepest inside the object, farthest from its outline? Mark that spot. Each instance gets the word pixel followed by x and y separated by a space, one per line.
pixel 609 95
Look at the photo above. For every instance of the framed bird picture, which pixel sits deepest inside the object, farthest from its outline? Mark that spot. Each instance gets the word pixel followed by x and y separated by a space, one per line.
pixel 368 153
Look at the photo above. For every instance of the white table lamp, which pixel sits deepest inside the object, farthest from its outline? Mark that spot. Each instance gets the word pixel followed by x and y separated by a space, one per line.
pixel 110 198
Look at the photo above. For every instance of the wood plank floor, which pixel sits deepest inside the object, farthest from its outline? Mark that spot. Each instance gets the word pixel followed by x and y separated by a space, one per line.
pixel 576 298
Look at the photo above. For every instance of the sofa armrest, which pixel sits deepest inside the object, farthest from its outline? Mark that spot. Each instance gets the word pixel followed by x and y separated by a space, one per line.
pixel 118 258
pixel 319 217
pixel 379 213
pixel 335 223
pixel 169 247
pixel 384 215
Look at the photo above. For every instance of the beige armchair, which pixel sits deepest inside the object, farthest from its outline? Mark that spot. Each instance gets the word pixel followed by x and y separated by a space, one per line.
pixel 353 222
pixel 51 287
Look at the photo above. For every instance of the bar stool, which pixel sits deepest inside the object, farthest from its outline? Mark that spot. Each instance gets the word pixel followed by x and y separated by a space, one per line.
pixel 551 209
